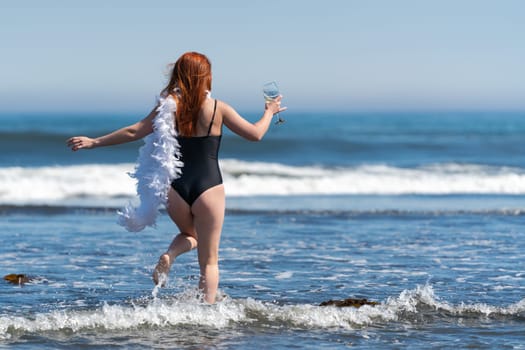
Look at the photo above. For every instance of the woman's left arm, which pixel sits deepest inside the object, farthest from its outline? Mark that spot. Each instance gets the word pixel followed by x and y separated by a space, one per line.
pixel 126 134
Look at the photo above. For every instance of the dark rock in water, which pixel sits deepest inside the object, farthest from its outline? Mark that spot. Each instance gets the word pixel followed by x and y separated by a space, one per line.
pixel 17 278
pixel 348 302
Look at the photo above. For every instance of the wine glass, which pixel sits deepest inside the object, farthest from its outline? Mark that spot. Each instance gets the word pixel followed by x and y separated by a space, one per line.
pixel 271 92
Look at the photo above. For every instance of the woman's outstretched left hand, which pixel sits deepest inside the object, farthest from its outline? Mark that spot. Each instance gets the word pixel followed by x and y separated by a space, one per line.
pixel 80 142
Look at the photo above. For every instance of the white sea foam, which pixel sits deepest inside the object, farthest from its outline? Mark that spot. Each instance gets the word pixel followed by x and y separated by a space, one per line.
pixel 266 178
pixel 284 275
pixel 186 311
pixel 411 300
pixel 19 185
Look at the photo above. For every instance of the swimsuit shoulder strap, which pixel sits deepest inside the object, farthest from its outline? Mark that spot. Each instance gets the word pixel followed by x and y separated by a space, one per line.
pixel 212 117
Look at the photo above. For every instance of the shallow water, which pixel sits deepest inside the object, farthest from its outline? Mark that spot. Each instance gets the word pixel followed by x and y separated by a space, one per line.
pixel 442 279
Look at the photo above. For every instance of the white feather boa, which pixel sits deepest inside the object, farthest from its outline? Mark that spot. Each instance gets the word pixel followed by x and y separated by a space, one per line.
pixel 158 164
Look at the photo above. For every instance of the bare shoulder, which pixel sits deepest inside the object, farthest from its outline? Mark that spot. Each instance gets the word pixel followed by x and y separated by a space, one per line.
pixel 227 111
pixel 223 106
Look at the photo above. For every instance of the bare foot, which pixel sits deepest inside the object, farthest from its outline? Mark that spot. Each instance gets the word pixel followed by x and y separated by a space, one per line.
pixel 160 274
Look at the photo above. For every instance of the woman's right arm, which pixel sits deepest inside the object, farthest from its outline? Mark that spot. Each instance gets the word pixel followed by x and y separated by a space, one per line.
pixel 251 131
pixel 126 134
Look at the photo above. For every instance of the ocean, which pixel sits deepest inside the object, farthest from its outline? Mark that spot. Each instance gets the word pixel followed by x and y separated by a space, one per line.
pixel 421 212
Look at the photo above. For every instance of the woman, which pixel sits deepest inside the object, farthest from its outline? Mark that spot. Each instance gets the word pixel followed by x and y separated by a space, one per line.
pixel 196 201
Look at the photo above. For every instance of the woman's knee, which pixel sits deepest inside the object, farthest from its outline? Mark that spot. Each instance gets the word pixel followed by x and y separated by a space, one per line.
pixel 209 267
pixel 208 258
pixel 189 234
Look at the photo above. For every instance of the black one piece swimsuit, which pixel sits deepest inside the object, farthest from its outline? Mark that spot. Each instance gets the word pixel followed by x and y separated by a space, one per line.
pixel 201 164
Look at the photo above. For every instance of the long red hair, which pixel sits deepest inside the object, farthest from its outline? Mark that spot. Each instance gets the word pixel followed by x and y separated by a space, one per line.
pixel 188 84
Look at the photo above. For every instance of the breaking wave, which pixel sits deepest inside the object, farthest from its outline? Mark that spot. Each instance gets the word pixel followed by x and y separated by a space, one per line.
pixel 52 184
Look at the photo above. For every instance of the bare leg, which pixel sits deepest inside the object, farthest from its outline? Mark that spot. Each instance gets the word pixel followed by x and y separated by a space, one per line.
pixel 206 218
pixel 208 212
pixel 182 243
pixel 180 213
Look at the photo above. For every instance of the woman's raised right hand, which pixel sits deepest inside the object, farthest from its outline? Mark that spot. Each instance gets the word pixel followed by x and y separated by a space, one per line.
pixel 275 105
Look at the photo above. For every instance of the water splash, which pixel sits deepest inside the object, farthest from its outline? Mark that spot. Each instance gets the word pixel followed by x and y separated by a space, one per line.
pixel 188 309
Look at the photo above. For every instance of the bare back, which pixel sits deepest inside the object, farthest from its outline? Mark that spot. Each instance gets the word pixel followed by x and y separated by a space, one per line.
pixel 205 118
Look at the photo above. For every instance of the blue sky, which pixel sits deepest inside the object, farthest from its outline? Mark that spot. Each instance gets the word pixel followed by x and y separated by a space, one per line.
pixel 326 55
